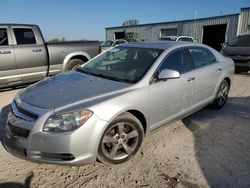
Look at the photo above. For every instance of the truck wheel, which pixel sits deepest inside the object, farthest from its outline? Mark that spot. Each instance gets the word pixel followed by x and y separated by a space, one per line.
pixel 121 140
pixel 74 64
pixel 239 70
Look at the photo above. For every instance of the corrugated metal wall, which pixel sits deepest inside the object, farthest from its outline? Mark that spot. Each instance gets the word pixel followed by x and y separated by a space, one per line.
pixel 195 28
pixel 244 21
pixel 236 24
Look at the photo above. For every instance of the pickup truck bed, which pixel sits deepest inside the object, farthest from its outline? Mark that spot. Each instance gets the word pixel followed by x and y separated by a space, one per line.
pixel 25 57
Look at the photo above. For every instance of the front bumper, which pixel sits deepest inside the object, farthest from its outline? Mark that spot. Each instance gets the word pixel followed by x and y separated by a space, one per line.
pixel 241 62
pixel 23 137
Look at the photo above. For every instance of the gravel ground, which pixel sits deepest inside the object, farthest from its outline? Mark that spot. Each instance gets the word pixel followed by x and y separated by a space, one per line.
pixel 207 149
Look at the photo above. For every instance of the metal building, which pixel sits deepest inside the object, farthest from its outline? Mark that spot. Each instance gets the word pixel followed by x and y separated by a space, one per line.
pixel 212 31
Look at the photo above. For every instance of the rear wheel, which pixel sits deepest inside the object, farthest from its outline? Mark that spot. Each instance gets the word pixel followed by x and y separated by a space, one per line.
pixel 121 140
pixel 221 96
pixel 74 64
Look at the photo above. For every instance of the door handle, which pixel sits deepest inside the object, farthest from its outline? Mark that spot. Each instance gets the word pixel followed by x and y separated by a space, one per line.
pixel 191 79
pixel 37 50
pixel 219 70
pixel 5 52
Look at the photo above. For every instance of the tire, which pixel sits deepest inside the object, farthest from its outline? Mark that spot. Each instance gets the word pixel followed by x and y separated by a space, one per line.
pixel 222 95
pixel 121 140
pixel 239 70
pixel 74 64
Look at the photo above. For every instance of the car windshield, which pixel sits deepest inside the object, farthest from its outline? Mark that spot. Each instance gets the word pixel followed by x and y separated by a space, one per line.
pixel 187 39
pixel 123 64
pixel 107 44
pixel 243 40
pixel 168 38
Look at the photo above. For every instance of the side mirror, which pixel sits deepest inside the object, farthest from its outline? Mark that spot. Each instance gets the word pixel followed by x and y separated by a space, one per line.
pixel 168 74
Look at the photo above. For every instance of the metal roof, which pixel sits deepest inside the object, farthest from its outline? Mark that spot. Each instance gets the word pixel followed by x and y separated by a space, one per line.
pixel 173 22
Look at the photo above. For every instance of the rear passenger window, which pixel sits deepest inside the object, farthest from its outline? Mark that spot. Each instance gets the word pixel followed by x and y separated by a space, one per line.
pixel 3 37
pixel 212 58
pixel 24 36
pixel 178 61
pixel 201 57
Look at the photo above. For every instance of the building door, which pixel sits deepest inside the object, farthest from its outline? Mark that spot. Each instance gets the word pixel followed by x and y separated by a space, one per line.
pixel 119 35
pixel 214 35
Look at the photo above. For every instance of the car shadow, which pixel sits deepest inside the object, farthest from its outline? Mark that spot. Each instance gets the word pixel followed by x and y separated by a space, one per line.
pixel 27 183
pixel 222 143
pixel 3 118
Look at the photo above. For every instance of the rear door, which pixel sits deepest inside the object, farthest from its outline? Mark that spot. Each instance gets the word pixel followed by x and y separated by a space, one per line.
pixel 206 72
pixel 169 99
pixel 30 53
pixel 8 68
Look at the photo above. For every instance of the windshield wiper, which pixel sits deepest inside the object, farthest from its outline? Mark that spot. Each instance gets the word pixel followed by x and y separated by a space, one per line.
pixel 105 76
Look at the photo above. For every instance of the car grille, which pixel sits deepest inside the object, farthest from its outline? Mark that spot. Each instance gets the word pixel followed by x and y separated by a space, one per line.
pixel 19 131
pixel 25 112
pixel 15 149
pixel 58 156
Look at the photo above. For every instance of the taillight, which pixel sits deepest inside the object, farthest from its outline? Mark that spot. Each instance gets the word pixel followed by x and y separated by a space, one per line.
pixel 100 50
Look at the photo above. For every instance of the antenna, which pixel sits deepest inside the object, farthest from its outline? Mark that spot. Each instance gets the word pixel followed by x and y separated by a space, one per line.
pixel 195 24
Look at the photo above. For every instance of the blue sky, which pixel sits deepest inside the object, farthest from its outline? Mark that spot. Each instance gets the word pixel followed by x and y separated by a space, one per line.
pixel 87 19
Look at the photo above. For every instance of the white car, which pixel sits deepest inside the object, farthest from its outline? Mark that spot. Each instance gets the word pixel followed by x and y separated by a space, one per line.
pixel 176 38
pixel 104 109
pixel 110 44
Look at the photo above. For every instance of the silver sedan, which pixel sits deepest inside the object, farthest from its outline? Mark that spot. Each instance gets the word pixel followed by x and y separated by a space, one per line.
pixel 104 109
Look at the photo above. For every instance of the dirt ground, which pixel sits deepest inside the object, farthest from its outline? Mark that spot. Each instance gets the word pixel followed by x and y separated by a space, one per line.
pixel 207 149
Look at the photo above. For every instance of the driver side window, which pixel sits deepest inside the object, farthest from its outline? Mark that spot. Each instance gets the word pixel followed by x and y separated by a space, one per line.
pixel 177 60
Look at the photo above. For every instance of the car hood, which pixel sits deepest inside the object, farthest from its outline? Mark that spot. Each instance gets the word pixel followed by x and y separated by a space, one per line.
pixel 68 88
pixel 236 50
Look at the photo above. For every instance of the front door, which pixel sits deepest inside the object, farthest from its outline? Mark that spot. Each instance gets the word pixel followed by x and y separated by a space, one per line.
pixel 8 68
pixel 31 56
pixel 169 99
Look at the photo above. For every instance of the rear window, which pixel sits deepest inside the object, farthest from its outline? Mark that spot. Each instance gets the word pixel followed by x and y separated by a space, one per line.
pixel 201 56
pixel 24 36
pixel 3 37
pixel 243 40
pixel 187 39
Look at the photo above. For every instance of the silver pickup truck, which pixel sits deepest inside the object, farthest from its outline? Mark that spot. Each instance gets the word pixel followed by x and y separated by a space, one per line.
pixel 25 57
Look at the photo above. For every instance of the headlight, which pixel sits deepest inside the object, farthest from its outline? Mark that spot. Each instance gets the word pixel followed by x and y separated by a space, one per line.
pixel 67 121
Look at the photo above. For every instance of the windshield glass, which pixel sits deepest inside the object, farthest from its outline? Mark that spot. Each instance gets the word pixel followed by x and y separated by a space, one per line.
pixel 107 44
pixel 168 38
pixel 124 64
pixel 187 39
pixel 243 40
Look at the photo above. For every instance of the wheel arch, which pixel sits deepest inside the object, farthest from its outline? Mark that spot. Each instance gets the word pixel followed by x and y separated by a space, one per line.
pixel 228 81
pixel 138 114
pixel 75 55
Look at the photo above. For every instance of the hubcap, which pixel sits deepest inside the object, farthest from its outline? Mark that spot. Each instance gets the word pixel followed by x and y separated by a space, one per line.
pixel 120 141
pixel 222 95
pixel 76 66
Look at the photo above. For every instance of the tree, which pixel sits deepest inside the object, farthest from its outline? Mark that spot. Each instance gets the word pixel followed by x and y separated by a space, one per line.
pixel 57 40
pixel 130 22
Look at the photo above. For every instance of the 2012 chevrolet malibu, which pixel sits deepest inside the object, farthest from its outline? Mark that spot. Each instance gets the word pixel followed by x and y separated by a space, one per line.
pixel 103 110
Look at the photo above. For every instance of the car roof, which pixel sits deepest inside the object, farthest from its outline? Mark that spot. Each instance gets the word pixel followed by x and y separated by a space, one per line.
pixel 15 24
pixel 159 44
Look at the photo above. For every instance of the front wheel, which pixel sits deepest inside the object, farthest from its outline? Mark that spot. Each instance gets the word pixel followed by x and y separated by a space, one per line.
pixel 221 96
pixel 121 140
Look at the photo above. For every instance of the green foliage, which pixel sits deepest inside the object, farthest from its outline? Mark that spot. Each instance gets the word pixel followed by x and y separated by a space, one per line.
pixel 130 22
